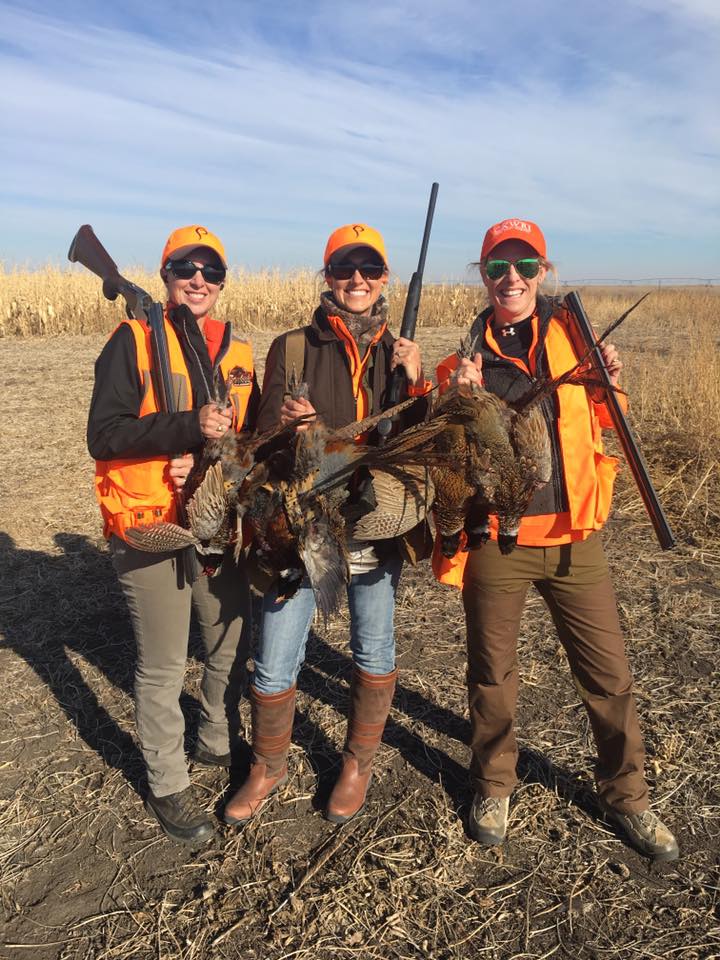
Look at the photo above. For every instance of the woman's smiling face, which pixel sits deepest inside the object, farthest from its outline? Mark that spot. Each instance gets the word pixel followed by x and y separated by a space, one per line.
pixel 360 293
pixel 195 293
pixel 512 296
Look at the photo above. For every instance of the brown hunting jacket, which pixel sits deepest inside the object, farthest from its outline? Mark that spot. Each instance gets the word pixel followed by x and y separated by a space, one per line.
pixel 328 375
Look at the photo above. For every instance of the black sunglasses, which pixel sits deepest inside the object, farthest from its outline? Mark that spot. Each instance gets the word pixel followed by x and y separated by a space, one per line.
pixel 368 271
pixel 186 270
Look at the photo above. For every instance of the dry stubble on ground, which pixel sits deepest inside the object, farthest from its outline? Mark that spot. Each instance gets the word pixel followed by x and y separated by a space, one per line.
pixel 85 873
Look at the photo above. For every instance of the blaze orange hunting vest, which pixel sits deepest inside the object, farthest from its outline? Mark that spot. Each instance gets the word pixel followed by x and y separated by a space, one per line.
pixel 139 491
pixel 589 472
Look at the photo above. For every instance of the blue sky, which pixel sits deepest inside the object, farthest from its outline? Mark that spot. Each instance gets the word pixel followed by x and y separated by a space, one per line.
pixel 272 123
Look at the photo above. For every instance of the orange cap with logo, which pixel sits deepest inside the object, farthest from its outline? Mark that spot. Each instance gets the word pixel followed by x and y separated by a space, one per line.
pixel 354 235
pixel 514 229
pixel 185 239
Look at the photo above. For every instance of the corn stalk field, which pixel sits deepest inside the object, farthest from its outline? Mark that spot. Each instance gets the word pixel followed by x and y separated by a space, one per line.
pixel 85 873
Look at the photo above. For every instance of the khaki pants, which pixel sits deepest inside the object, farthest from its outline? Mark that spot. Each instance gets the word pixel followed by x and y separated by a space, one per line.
pixel 160 603
pixel 575 583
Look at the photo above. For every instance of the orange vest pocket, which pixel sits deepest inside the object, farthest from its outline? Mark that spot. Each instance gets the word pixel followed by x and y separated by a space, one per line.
pixel 606 469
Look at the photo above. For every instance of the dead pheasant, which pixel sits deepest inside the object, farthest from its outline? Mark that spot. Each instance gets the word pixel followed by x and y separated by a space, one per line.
pixel 493 460
pixel 211 493
pixel 291 486
pixel 299 517
pixel 494 456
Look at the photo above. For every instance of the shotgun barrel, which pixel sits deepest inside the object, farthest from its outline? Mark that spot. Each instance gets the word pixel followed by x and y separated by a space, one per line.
pixel 409 320
pixel 584 339
pixel 412 301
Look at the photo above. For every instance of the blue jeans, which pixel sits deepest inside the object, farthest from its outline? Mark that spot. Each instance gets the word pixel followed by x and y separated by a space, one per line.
pixel 285 627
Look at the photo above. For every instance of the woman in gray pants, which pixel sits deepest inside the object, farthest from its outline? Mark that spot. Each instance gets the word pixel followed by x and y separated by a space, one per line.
pixel 143 457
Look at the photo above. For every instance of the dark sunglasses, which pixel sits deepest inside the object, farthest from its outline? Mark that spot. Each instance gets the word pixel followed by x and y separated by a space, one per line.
pixel 368 271
pixel 528 267
pixel 186 270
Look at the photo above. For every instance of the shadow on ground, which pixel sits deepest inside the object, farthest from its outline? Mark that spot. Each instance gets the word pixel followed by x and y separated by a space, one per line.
pixel 55 606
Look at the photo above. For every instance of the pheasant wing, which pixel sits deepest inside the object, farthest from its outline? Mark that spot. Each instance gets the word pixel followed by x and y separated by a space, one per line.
pixel 403 500
pixel 160 537
pixel 531 440
pixel 324 555
pixel 208 507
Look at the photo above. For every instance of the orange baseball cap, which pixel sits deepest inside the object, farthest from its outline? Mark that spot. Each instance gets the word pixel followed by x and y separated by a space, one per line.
pixel 514 229
pixel 354 235
pixel 185 239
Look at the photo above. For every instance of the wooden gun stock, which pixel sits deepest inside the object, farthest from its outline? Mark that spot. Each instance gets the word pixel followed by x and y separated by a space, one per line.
pixel 87 250
pixel 583 338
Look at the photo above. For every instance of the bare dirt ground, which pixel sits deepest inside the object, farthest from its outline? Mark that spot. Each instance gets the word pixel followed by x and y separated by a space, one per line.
pixel 86 874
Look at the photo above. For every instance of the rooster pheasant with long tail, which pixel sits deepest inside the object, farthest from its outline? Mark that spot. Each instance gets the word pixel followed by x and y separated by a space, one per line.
pixel 290 489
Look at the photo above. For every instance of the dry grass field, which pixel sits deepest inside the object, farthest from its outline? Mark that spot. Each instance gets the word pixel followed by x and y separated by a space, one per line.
pixel 54 301
pixel 85 874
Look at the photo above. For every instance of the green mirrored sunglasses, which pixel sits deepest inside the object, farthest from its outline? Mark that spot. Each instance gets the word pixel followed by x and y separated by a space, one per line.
pixel 528 267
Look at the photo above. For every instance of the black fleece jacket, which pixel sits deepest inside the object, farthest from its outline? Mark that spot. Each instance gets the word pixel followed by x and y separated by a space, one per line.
pixel 116 431
pixel 507 381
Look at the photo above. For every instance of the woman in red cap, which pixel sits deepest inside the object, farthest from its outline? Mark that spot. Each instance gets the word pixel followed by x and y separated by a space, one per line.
pixel 143 456
pixel 345 356
pixel 520 337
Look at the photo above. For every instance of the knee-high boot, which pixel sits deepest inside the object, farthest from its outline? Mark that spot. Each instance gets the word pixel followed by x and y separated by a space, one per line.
pixel 370 699
pixel 272 723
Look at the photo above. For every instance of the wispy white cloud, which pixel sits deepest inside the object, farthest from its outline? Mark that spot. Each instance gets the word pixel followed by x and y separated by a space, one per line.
pixel 274 126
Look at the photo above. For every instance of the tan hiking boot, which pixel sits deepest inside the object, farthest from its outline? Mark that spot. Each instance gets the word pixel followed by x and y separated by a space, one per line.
pixel 488 819
pixel 647 833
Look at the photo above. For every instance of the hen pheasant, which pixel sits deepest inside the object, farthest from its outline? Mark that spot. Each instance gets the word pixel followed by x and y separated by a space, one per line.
pixel 492 461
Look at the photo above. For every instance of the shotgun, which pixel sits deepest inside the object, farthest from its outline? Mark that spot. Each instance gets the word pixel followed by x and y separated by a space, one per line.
pixel 584 340
pixel 139 305
pixel 412 301
pixel 410 312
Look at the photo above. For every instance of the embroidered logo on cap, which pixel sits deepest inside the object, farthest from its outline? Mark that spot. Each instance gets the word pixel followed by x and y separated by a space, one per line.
pixel 512 225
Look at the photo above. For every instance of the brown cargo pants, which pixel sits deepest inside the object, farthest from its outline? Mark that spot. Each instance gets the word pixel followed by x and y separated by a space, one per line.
pixel 575 583
pixel 160 603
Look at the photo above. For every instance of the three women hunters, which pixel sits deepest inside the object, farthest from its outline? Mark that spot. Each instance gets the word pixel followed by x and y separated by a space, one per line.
pixel 320 487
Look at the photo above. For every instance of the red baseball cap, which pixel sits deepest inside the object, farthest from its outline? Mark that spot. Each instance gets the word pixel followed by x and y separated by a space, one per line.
pixel 354 235
pixel 185 239
pixel 514 229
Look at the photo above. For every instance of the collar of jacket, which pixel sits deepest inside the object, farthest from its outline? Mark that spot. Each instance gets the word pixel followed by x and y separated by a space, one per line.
pixel 194 348
pixel 328 307
pixel 545 307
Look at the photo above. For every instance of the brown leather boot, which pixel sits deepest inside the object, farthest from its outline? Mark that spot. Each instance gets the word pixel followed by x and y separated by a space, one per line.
pixel 370 699
pixel 272 723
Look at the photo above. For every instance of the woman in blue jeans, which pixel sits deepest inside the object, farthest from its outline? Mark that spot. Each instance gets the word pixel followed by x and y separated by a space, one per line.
pixel 347 355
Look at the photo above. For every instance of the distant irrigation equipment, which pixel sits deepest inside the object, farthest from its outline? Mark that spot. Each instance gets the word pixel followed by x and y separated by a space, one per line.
pixel 644 282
